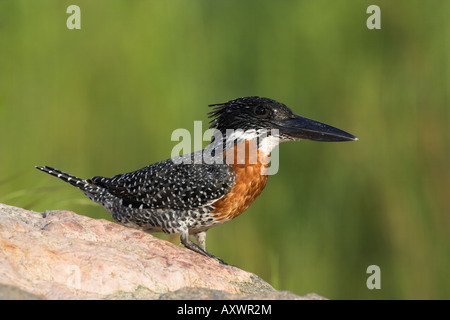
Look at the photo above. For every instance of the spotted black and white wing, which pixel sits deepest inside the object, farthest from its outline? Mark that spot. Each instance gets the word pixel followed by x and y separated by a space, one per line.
pixel 166 185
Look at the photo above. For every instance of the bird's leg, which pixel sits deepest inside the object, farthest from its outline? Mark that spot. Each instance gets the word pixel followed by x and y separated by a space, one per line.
pixel 201 239
pixel 184 237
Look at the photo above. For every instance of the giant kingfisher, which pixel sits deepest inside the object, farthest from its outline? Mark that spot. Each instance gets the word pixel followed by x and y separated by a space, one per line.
pixel 189 198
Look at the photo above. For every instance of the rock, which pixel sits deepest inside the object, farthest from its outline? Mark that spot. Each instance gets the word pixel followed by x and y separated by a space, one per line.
pixel 13 293
pixel 189 293
pixel 63 255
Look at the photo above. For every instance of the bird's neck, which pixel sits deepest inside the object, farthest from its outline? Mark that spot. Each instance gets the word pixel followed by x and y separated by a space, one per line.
pixel 262 140
pixel 238 149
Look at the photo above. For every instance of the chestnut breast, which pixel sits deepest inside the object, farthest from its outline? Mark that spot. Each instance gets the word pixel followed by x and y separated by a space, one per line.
pixel 250 167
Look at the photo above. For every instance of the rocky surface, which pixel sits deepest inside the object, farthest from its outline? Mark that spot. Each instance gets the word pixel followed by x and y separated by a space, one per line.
pixel 63 255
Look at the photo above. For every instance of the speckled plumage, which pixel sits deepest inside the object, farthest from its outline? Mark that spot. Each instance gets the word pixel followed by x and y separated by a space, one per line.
pixel 162 197
pixel 167 197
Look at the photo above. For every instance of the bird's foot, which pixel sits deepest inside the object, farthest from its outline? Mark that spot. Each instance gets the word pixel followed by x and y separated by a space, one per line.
pixel 194 247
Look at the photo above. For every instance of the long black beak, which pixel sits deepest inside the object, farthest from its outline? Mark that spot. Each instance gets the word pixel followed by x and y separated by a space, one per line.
pixel 299 127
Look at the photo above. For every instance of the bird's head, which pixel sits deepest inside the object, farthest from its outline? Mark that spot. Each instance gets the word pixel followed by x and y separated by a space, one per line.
pixel 255 114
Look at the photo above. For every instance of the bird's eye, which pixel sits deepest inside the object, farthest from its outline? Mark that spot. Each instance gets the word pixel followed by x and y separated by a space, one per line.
pixel 260 111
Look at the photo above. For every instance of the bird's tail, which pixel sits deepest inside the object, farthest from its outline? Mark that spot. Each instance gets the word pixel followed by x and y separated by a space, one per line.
pixel 83 185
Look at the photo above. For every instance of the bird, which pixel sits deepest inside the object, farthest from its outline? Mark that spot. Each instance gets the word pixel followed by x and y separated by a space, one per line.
pixel 184 196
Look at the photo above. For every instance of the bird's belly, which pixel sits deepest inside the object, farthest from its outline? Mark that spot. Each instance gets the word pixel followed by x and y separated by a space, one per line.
pixel 167 221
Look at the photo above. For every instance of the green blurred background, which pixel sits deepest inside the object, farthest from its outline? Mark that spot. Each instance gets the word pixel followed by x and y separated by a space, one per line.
pixel 105 99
